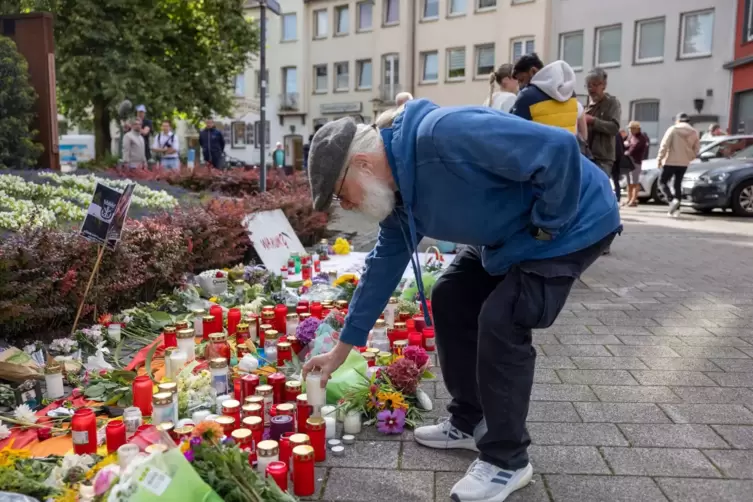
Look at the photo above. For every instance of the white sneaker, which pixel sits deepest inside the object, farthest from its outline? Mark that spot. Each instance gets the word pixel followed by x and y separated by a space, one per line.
pixel 674 207
pixel 444 436
pixel 485 482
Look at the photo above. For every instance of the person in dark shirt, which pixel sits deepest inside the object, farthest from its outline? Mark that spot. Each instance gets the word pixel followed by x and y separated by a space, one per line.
pixel 146 130
pixel 212 145
pixel 636 150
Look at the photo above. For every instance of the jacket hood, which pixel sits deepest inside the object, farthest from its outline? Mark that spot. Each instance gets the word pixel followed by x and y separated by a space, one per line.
pixel 684 129
pixel 557 80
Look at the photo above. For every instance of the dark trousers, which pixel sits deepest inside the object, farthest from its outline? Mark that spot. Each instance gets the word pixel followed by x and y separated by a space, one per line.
pixel 616 175
pixel 483 329
pixel 667 173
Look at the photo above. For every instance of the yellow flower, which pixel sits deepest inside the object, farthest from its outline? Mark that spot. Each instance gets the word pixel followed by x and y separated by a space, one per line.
pixel 307 283
pixel 393 399
pixel 9 456
pixel 345 278
pixel 213 299
pixel 68 495
pixel 109 459
pixel 341 246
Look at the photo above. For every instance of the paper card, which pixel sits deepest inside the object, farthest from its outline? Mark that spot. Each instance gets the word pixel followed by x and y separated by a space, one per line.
pixel 273 238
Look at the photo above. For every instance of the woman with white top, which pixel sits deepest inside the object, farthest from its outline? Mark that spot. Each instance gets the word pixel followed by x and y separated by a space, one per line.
pixel 167 146
pixel 505 98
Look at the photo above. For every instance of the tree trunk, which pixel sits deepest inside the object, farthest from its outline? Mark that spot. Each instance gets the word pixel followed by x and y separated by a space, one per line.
pixel 102 137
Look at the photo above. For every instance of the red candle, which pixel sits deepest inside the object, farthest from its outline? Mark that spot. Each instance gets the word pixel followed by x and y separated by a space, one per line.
pixel 302 411
pixel 419 322
pixel 233 318
pixel 303 303
pixel 237 389
pixel 306 272
pixel 286 409
pixel 286 448
pixel 115 434
pixel 279 472
pixel 256 400
pixel 428 335
pixel 170 336
pixel 243 438
pixel 207 326
pixel 317 264
pixel 416 339
pixel 300 309
pixel 315 428
pixel 252 410
pixel 232 408
pixel 284 353
pixel 249 383
pixel 256 426
pixel 142 394
pixel 84 431
pixel 303 471
pixel 292 389
pixel 316 310
pixel 277 381
pixel 410 325
pixel 284 270
pixel 280 313
pixel 216 311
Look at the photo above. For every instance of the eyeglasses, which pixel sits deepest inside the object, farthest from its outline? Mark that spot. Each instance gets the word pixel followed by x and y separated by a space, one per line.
pixel 337 197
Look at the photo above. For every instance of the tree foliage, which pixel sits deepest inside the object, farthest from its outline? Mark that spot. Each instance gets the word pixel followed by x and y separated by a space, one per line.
pixel 17 99
pixel 175 56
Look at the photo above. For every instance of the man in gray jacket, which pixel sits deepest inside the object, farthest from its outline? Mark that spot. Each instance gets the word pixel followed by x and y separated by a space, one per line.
pixel 603 118
pixel 134 153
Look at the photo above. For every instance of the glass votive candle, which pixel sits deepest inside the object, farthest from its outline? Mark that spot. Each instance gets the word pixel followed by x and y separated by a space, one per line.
pixel 352 422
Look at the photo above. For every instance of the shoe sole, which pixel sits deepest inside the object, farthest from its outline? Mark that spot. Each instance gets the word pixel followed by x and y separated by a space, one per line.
pixel 447 445
pixel 524 481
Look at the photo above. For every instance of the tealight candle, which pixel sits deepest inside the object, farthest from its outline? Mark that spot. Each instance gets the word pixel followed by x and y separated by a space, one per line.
pixel 349 439
pixel 113 331
pixel 338 451
pixel 333 442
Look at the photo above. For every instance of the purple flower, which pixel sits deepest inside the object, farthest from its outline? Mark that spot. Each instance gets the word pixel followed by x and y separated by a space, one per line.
pixel 195 441
pixel 320 278
pixel 189 455
pixel 306 331
pixel 391 422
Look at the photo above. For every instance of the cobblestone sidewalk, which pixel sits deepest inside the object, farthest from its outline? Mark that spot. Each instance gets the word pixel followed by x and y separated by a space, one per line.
pixel 644 386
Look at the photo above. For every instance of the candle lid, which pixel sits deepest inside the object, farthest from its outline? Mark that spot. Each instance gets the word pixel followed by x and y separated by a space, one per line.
pixel 283 346
pixel 281 419
pixel 185 430
pixel 253 422
pixel 292 316
pixel 373 350
pixel 169 350
pixel 304 316
pixel 380 323
pixel 400 343
pixel 251 407
pixel 267 448
pixel 241 434
pixel 218 363
pixel 156 448
pixel 303 452
pixel 170 387
pixel 323 241
pixel 268 314
pixel 217 337
pixel 392 301
pixel 400 325
pixel 267 307
pixel 341 303
pixel 162 398
pixel 277 468
pixel 230 404
pixel 299 439
pixel 403 313
pixel 293 384
pixel 254 399
pixel 302 399
pixel 239 282
pixel 199 312
pixel 369 355
pixel 181 325
pixel 225 420
pixel 305 265
pixel 53 368
pixel 208 318
pixel 264 390
pixel 384 354
pixel 271 334
pixel 186 333
pixel 242 327
pixel 166 426
pixel 285 408
pixel 169 329
pixel 265 327
pixel 315 423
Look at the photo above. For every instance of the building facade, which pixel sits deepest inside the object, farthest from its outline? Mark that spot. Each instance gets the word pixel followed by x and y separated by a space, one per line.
pixel 741 106
pixel 361 54
pixel 662 58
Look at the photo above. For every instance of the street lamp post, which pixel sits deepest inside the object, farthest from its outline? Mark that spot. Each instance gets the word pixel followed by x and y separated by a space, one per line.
pixel 274 7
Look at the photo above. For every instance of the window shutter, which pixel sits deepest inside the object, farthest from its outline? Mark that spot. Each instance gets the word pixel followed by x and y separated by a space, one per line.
pixel 457 59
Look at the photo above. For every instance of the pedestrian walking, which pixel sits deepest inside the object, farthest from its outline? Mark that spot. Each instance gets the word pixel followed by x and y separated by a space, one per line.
pixel 212 144
pixel 146 130
pixel 504 99
pixel 636 150
pixel 679 147
pixel 603 118
pixel 426 171
pixel 713 131
pixel 134 154
pixel 166 145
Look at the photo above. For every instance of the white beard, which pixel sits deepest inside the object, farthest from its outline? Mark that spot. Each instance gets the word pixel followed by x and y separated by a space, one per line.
pixel 378 199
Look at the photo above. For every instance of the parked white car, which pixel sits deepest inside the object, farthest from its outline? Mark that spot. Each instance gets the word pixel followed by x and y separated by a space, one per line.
pixel 721 147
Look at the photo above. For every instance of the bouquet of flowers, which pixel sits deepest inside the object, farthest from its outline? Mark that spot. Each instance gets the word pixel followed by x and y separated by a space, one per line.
pixel 195 391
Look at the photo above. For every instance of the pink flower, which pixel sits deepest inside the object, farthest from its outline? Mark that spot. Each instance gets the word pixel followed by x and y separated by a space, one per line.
pixel 391 422
pixel 416 354
pixel 105 478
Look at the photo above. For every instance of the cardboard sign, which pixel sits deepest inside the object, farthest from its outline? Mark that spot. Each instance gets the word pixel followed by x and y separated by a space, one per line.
pixel 106 214
pixel 273 238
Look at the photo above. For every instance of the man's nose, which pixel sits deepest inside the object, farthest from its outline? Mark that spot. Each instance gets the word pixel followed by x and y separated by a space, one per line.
pixel 346 205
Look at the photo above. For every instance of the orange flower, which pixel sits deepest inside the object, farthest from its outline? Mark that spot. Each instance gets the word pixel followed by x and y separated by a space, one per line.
pixel 208 431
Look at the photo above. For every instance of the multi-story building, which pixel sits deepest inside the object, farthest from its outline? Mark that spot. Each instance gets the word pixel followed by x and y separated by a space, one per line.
pixel 360 54
pixel 741 109
pixel 662 58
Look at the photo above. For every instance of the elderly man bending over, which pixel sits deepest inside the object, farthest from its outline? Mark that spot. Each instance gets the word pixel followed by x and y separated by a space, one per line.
pixel 535 214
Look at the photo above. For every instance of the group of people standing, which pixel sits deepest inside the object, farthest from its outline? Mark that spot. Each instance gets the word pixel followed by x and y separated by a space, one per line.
pixel 138 145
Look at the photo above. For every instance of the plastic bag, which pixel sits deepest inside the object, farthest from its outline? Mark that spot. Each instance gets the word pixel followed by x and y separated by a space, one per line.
pixel 346 377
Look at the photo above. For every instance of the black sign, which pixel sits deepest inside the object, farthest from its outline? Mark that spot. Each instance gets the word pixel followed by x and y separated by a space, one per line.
pixel 106 215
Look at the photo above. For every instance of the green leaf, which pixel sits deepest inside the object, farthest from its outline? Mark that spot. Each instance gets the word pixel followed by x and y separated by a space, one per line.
pixel 160 319
pixel 148 362
pixel 428 375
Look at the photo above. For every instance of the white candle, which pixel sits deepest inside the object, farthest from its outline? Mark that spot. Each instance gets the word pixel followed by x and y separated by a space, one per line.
pixel 188 347
pixel 54 381
pixel 113 331
pixel 331 427
pixel 200 415
pixel 352 422
pixel 329 411
pixel 316 394
pixel 126 453
pixel 221 399
pixel 178 359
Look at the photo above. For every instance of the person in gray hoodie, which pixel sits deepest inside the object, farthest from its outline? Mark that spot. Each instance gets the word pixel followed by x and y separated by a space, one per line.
pixel 679 147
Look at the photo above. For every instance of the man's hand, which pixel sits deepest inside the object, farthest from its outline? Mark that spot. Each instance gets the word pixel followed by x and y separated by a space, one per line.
pixel 589 119
pixel 329 362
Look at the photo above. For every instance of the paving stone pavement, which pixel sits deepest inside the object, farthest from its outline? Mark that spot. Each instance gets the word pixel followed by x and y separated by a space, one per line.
pixel 644 385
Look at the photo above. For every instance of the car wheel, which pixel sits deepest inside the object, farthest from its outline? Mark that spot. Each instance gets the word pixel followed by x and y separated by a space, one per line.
pixel 742 199
pixel 657 194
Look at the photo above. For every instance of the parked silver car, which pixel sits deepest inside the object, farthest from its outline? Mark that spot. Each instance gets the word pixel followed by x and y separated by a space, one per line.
pixel 721 147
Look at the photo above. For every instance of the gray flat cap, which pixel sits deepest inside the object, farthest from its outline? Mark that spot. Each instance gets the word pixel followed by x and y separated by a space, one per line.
pixel 327 155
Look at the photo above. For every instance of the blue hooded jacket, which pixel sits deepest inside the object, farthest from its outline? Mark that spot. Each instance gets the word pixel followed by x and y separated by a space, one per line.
pixel 479 176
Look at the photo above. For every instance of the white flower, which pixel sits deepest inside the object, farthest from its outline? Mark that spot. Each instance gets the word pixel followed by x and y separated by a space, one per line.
pixel 93 334
pixel 63 345
pixel 24 414
pixel 4 431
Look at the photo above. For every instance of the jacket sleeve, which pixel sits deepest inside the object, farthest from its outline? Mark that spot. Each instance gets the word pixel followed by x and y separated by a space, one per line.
pixel 661 157
pixel 385 266
pixel 126 148
pixel 222 141
pixel 471 140
pixel 696 144
pixel 522 106
pixel 203 141
pixel 611 125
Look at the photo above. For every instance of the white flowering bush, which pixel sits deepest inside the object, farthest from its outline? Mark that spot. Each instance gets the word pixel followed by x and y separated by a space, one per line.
pixel 27 204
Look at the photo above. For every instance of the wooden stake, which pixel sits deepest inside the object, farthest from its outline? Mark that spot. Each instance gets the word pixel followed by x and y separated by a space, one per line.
pixel 88 287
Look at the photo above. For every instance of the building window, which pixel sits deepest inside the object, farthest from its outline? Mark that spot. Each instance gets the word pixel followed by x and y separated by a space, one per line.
pixel 485 4
pixel 257 133
pixel 240 85
pixel 365 11
pixel 259 83
pixel 484 59
pixel 646 111
pixel 456 64
pixel 392 11
pixel 608 46
pixel 341 18
pixel 649 41
pixel 518 2
pixel 289 27
pixel 457 7
pixel 320 23
pixel 320 78
pixel 342 79
pixel 571 49
pixel 748 34
pixel 290 79
pixel 429 67
pixel 431 9
pixel 391 70
pixel 696 34
pixel 363 68
pixel 521 47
